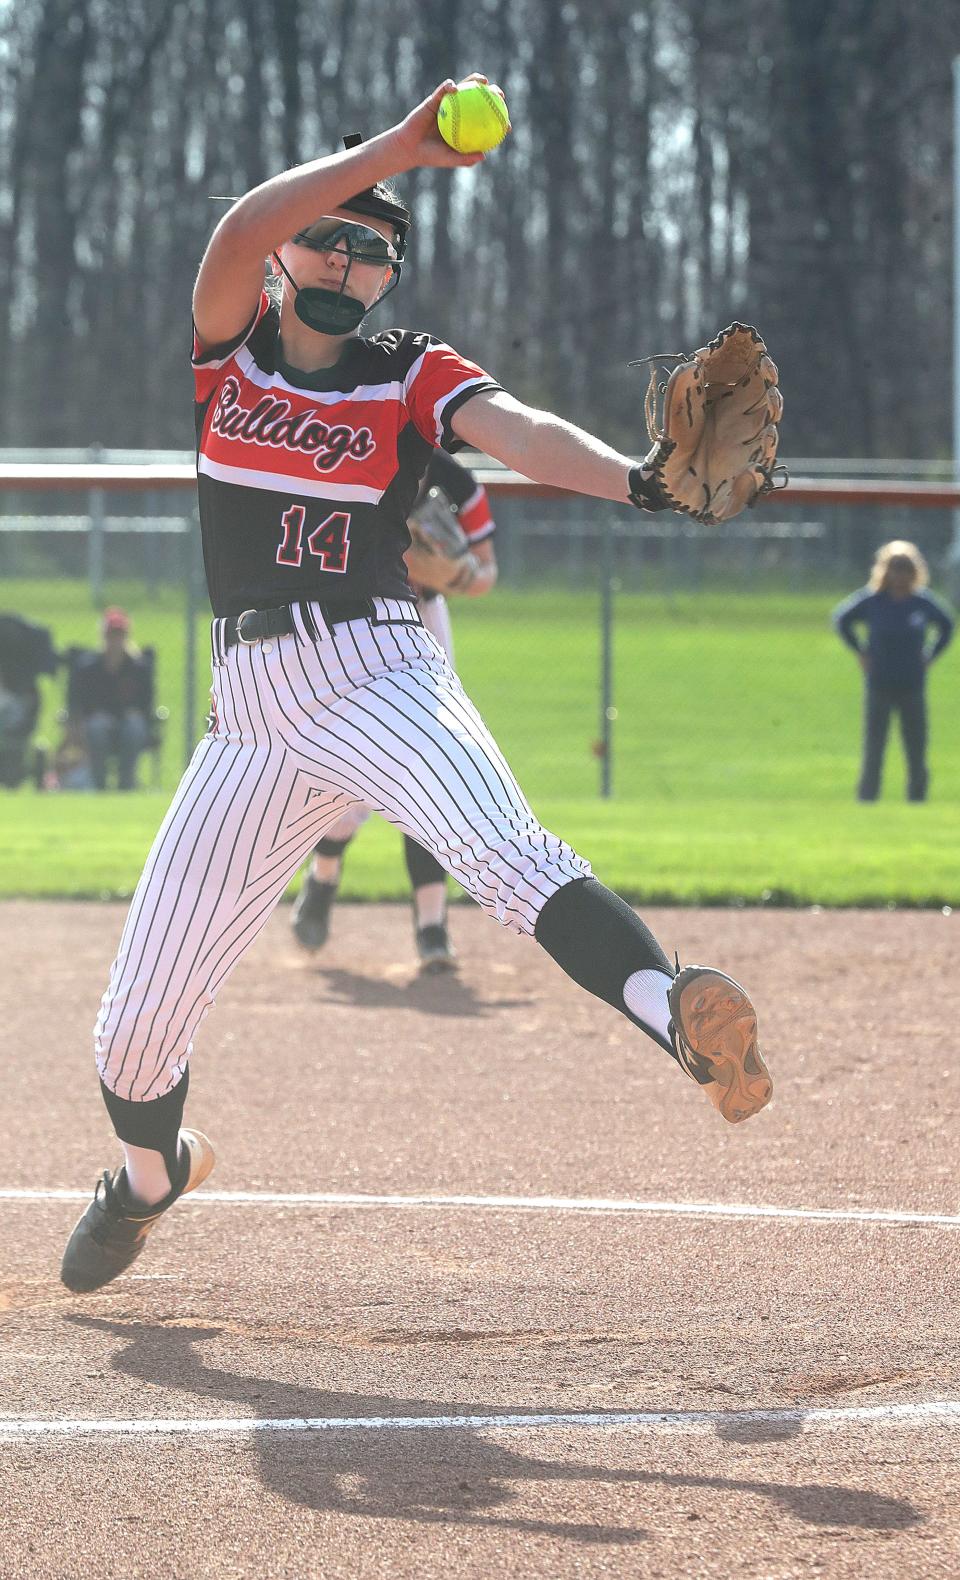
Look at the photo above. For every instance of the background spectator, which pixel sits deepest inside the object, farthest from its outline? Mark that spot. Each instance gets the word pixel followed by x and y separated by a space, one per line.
pixel 897 611
pixel 111 700
pixel 26 652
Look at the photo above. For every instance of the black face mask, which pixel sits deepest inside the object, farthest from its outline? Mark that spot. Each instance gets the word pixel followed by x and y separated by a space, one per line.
pixel 328 312
pixel 331 312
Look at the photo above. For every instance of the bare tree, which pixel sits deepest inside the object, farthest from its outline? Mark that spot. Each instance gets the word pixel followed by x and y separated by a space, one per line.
pixel 649 193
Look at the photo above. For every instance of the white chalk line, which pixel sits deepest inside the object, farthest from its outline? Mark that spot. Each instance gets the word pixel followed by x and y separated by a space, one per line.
pixel 945 1412
pixel 560 1204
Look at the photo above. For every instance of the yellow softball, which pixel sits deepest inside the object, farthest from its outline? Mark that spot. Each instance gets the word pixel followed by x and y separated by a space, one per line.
pixel 474 119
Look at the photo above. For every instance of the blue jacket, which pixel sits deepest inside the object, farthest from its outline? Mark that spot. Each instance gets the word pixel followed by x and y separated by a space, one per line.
pixel 896 634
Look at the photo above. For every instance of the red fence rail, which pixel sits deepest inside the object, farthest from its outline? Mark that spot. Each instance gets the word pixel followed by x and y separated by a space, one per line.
pixel 31 476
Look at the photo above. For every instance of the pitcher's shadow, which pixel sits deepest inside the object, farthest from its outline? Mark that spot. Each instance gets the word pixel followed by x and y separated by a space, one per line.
pixel 415 1475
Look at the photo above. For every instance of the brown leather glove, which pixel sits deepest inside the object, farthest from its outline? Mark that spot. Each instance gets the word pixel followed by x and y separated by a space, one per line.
pixel 714 430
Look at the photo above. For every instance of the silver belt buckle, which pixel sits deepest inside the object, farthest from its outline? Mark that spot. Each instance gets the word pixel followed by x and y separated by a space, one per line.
pixel 248 641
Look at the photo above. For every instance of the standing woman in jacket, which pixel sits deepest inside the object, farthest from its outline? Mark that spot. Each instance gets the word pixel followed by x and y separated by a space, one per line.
pixel 897 611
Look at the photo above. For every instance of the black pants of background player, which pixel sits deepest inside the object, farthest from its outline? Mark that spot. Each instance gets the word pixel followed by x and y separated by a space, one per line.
pixel 880 703
pixel 422 866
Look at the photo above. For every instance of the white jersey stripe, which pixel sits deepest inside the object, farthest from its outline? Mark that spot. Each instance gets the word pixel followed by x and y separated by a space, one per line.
pixel 449 395
pixel 482 533
pixel 413 373
pixel 280 482
pixel 453 395
pixel 275 381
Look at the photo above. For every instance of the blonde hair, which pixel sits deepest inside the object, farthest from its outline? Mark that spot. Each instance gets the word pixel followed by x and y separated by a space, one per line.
pixel 898 555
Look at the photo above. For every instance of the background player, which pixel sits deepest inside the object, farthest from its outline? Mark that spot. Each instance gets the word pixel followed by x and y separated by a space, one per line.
pixel 428 880
pixel 327 691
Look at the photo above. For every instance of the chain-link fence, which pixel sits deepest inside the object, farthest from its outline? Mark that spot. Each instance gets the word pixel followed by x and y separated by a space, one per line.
pixel 619 654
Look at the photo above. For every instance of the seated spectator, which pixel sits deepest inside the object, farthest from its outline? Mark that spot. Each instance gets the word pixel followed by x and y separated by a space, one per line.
pixel 69 767
pixel 111 700
pixel 26 652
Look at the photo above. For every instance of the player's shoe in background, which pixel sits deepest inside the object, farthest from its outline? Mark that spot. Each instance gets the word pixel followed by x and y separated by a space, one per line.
pixel 434 949
pixel 311 912
pixel 714 1034
pixel 110 1235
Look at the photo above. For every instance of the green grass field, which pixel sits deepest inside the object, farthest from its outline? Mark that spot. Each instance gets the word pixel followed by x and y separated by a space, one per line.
pixel 735 753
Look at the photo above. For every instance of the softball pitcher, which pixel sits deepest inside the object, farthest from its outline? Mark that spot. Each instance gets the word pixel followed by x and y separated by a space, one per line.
pixel 328 691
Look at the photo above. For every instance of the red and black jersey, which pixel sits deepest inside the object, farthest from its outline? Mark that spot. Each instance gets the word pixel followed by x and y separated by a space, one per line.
pixel 470 498
pixel 305 480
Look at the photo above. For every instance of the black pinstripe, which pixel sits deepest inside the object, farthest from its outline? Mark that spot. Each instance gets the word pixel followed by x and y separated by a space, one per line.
pixel 305 730
pixel 370 772
pixel 398 812
pixel 216 971
pixel 373 765
pixel 162 923
pixel 147 892
pixel 464 812
pixel 508 788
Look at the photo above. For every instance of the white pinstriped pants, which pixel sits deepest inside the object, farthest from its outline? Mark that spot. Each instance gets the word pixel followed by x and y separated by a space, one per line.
pixel 435 614
pixel 303 728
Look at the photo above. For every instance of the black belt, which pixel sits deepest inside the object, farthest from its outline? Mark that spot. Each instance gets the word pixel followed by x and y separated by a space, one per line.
pixel 255 625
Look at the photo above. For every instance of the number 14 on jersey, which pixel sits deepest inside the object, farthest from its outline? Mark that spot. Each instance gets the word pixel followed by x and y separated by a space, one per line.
pixel 329 542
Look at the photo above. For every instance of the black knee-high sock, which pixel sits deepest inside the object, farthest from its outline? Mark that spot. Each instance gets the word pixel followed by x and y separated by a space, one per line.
pixel 596 938
pixel 155 1124
pixel 422 865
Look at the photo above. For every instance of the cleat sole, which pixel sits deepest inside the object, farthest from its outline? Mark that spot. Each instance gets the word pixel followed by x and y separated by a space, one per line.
pixel 718 1023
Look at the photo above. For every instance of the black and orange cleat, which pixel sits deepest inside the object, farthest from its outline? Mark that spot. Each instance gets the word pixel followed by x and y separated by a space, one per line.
pixel 714 1035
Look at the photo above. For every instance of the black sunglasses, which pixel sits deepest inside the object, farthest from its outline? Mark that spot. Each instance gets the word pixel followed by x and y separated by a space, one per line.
pixel 360 242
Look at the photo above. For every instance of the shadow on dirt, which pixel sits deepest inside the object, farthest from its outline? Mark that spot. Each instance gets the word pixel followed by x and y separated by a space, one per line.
pixel 439 994
pixel 449 1477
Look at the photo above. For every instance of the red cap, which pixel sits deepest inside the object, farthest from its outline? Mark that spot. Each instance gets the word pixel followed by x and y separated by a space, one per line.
pixel 115 619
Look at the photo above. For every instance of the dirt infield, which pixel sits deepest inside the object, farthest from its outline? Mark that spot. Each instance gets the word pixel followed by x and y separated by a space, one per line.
pixel 482 1285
